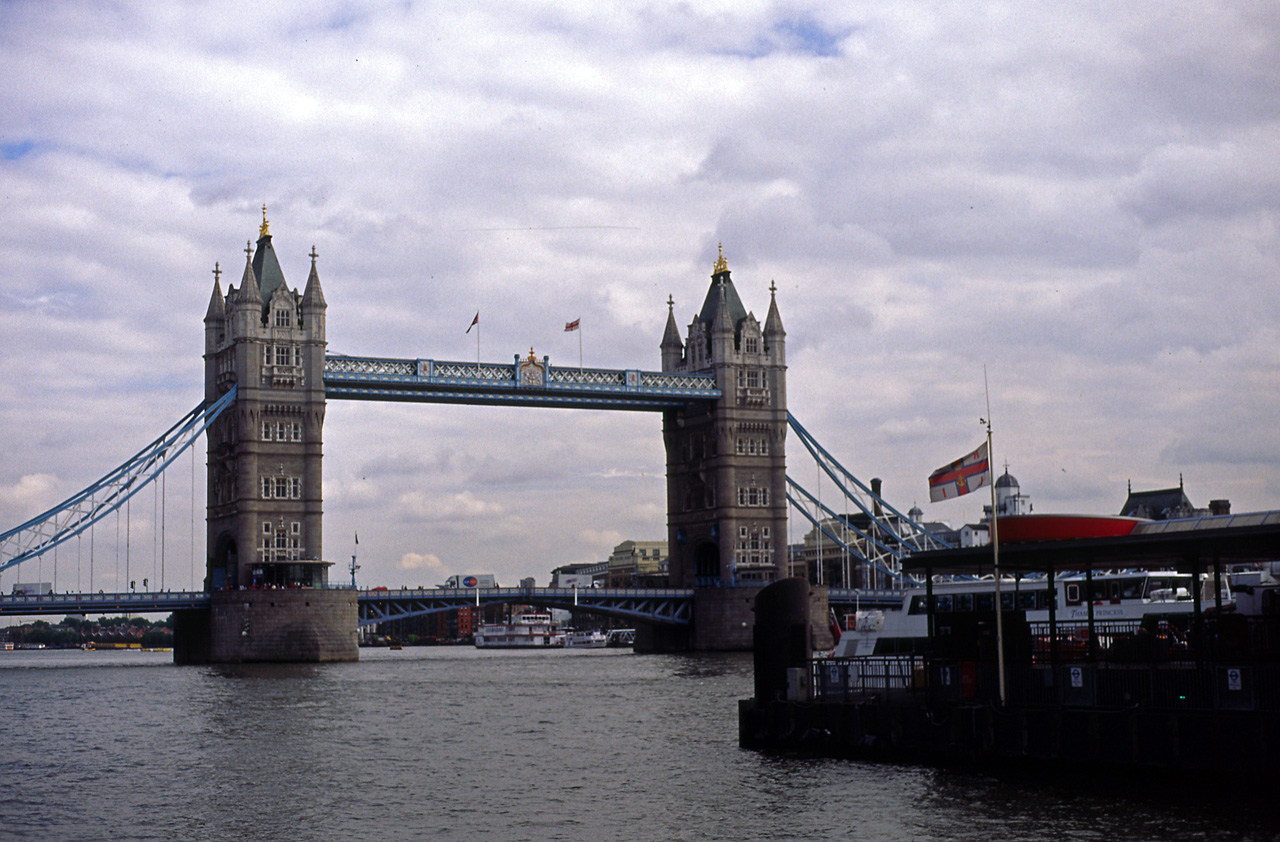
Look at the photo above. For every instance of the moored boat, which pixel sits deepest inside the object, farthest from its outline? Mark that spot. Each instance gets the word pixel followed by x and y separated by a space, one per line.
pixel 586 639
pixel 1118 599
pixel 525 631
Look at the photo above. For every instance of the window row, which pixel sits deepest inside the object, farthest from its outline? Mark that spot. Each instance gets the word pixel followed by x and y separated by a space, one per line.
pixel 269 528
pixel 282 355
pixel 282 431
pixel 282 488
pixel 752 378
pixel 753 559
pixel 753 447
pixel 281 548
pixel 753 495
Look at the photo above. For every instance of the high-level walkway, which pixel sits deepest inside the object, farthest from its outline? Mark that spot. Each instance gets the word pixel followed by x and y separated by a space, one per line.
pixel 525 382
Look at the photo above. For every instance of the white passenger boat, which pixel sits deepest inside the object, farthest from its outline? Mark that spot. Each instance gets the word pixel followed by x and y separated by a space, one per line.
pixel 1118 599
pixel 525 631
pixel 594 639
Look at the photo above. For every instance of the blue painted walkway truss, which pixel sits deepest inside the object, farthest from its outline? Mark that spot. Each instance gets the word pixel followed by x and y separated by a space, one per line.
pixel 525 382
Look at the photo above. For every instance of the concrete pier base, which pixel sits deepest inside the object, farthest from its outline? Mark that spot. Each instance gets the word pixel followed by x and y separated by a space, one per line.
pixel 724 620
pixel 302 625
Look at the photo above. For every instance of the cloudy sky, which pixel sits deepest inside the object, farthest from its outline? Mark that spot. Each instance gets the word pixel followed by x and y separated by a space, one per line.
pixel 1082 200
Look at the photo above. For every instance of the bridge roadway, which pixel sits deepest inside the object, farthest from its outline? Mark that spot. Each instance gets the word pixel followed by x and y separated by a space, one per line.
pixel 657 606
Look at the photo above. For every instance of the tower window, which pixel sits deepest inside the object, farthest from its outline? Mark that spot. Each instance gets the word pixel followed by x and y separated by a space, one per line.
pixel 283 319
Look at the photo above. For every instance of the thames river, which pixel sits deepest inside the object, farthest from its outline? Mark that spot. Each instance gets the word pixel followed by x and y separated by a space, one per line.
pixel 454 743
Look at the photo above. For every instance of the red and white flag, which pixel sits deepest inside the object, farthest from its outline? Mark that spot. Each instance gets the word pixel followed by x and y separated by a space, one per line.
pixel 968 473
pixel 474 321
pixel 573 325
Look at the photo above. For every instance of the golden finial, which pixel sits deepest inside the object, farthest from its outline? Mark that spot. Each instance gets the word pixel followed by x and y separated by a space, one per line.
pixel 263 231
pixel 722 265
pixel 532 358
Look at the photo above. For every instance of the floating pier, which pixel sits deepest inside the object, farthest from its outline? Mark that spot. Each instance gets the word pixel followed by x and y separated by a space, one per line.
pixel 1127 700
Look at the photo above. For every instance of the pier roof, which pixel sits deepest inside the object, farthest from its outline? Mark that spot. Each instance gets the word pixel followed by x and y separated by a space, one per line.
pixel 1178 544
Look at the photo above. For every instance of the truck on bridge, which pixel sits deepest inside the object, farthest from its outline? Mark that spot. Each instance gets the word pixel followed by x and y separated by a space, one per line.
pixel 473 580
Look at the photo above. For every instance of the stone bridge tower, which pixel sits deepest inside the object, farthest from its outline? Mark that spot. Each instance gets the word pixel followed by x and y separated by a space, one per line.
pixel 265 564
pixel 726 462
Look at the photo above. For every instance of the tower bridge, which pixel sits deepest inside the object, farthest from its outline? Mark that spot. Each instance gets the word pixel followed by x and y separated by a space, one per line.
pixel 721 391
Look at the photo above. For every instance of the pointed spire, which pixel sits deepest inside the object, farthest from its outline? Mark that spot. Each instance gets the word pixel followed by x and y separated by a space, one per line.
pixel 217 305
pixel 313 296
pixel 723 322
pixel 249 281
pixel 266 267
pixel 773 321
pixel 671 337
pixel 672 347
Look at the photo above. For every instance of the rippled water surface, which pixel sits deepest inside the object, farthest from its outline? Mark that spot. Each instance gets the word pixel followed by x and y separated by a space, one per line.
pixel 454 743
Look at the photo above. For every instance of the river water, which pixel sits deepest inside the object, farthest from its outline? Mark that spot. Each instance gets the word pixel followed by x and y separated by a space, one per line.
pixel 454 743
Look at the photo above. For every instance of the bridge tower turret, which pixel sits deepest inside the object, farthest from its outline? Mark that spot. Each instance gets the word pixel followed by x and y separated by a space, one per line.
pixel 264 471
pixel 726 461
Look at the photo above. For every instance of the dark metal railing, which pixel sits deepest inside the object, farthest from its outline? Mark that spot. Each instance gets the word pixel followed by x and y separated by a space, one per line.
pixel 1171 685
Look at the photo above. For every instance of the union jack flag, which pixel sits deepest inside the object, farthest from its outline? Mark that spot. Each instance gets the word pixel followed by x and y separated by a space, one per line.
pixel 968 473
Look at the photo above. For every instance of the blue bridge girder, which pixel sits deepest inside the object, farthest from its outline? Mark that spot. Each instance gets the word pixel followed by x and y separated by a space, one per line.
pixel 652 606
pixel 147 602
pixel 526 382
pixel 658 606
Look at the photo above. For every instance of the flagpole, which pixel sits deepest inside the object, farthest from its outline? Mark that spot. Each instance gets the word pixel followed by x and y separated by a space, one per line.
pixel 579 346
pixel 995 544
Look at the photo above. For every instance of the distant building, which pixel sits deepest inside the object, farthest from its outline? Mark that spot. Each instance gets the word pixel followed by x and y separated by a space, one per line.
pixel 638 564
pixel 1010 502
pixel 1168 504
pixel 975 535
pixel 588 574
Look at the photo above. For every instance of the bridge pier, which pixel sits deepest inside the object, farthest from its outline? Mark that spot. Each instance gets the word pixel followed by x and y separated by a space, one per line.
pixel 290 625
